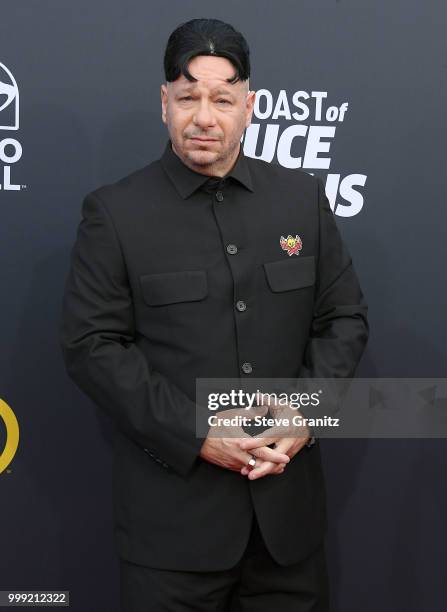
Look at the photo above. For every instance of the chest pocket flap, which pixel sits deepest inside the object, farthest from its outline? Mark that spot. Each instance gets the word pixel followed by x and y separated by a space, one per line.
pixel 173 287
pixel 284 275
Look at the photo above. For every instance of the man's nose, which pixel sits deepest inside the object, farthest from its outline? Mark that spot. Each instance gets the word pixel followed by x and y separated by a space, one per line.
pixel 204 115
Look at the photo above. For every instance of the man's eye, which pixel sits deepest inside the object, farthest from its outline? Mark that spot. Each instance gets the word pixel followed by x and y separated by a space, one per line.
pixel 186 98
pixel 225 101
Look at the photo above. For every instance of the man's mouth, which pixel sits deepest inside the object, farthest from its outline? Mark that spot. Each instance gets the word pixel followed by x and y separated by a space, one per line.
pixel 204 139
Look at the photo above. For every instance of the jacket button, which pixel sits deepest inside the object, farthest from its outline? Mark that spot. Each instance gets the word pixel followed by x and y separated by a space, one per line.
pixel 246 367
pixel 241 305
pixel 219 196
pixel 231 249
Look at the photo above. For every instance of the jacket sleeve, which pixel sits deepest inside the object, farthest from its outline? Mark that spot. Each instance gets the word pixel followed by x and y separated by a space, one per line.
pixel 97 337
pixel 339 330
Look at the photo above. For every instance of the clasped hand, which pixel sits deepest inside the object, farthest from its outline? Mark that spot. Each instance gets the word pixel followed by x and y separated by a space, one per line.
pixel 231 447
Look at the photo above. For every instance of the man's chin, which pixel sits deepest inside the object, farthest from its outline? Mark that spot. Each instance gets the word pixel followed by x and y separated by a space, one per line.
pixel 202 158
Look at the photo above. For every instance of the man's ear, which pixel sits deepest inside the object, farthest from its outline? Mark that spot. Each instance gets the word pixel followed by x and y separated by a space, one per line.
pixel 250 102
pixel 164 100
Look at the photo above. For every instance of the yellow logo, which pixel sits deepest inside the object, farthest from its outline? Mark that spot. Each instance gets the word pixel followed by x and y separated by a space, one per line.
pixel 12 435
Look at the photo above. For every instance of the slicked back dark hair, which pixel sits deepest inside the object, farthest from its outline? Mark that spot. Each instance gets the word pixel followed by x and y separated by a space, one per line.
pixel 205 37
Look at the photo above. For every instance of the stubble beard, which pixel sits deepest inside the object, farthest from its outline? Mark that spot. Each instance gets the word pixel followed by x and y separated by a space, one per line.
pixel 208 159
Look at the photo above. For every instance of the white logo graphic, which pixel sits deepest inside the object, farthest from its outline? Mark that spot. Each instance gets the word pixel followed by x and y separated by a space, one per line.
pixel 10 148
pixel 9 100
pixel 300 127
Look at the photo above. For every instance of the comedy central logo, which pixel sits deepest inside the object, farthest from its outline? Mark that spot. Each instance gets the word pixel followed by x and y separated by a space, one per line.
pixel 10 148
pixel 12 435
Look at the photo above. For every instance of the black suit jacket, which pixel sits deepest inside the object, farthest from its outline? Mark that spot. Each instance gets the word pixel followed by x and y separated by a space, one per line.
pixel 150 305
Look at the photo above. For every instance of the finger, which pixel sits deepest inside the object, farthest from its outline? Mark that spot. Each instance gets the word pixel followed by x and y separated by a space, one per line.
pixel 277 469
pixel 269 469
pixel 249 443
pixel 246 469
pixel 273 434
pixel 262 470
pixel 246 457
pixel 290 446
pixel 283 445
pixel 268 454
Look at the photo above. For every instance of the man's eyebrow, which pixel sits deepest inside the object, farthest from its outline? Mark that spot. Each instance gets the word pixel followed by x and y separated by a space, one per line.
pixel 219 91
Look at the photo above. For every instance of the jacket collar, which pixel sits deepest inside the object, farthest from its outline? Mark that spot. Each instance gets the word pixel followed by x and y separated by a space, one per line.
pixel 186 180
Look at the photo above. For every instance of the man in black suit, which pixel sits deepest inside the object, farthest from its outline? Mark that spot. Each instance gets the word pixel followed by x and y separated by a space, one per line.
pixel 209 264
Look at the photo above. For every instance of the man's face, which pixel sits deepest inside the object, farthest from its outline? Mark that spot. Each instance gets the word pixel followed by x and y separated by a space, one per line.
pixel 206 118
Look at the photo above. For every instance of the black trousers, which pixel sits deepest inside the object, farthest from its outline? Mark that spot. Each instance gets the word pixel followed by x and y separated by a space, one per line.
pixel 256 584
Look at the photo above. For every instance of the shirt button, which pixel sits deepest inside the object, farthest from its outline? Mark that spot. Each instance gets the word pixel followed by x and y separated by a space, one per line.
pixel 219 196
pixel 246 367
pixel 241 305
pixel 232 249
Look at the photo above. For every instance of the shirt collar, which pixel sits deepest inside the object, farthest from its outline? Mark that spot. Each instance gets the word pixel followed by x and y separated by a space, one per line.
pixel 186 180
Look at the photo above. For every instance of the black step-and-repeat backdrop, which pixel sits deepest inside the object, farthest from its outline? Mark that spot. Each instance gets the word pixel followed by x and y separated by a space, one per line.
pixel 354 92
